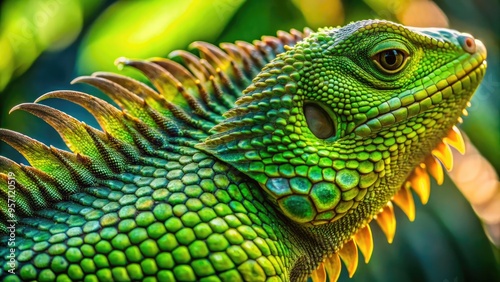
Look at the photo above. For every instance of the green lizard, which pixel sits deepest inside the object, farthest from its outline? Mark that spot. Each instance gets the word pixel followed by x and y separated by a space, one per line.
pixel 258 162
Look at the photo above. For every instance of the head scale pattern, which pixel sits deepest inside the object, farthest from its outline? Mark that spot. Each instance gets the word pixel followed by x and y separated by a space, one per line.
pixel 378 116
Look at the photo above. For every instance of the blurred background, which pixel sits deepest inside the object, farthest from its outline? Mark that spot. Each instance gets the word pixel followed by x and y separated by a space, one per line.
pixel 44 44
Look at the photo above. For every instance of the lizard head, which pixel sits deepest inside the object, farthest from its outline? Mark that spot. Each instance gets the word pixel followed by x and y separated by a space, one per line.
pixel 336 124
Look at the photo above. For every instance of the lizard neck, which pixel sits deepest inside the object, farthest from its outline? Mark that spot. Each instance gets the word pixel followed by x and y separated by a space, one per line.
pixel 327 239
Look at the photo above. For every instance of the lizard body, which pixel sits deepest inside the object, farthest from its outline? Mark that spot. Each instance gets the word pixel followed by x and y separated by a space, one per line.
pixel 259 162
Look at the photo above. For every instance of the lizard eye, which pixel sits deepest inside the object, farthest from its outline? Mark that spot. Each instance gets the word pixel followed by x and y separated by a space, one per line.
pixel 390 61
pixel 319 121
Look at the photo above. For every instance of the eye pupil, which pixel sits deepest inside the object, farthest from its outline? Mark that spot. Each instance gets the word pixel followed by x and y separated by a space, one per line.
pixel 390 57
pixel 319 121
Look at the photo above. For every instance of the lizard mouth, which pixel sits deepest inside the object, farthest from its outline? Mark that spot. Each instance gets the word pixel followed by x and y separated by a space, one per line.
pixel 428 93
pixel 406 105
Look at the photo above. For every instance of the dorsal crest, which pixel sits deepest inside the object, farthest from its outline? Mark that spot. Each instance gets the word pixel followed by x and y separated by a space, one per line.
pixel 189 96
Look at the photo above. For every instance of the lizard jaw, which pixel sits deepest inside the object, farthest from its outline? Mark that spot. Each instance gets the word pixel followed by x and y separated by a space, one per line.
pixel 419 181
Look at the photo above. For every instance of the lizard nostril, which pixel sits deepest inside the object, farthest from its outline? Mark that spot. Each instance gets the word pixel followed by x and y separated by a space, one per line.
pixel 468 43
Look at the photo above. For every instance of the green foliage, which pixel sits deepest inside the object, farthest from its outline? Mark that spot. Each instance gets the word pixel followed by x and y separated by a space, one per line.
pixel 142 29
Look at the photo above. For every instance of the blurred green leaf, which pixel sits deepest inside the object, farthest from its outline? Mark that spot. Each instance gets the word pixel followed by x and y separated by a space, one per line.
pixel 28 30
pixel 142 29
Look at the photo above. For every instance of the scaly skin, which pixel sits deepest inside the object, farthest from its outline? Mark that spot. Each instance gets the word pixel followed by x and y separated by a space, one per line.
pixel 180 193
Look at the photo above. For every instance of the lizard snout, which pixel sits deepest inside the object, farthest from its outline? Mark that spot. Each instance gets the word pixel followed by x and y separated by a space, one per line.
pixel 481 49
